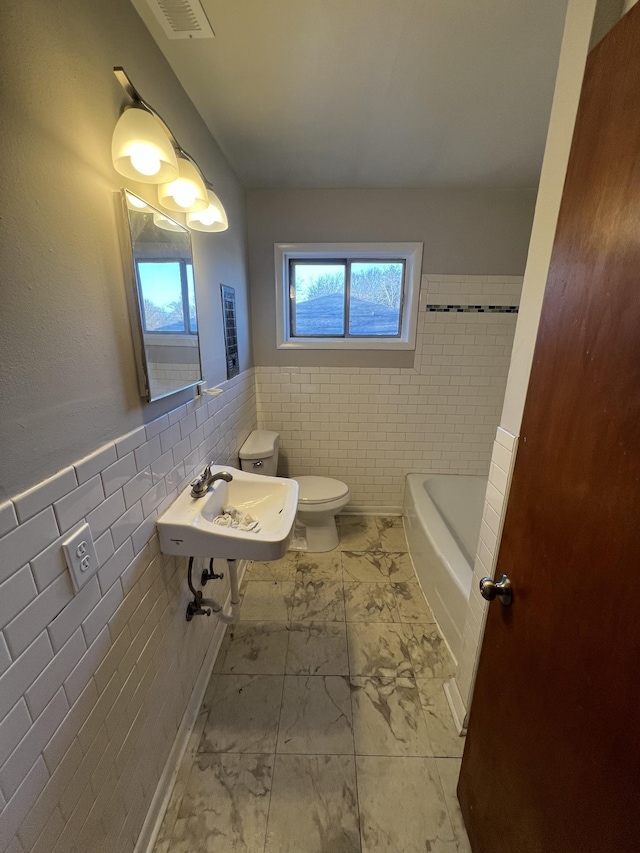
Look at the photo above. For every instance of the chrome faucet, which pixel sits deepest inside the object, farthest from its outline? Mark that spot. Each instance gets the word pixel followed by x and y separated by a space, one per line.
pixel 203 483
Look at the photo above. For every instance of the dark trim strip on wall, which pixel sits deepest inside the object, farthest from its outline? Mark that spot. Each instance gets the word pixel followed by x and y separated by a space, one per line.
pixel 474 309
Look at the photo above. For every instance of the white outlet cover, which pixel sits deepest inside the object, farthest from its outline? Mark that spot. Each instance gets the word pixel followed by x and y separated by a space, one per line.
pixel 81 556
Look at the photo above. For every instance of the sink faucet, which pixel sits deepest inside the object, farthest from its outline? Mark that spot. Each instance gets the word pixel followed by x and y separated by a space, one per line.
pixel 203 483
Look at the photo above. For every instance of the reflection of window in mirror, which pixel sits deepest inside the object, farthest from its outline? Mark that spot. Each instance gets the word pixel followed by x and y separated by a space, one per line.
pixel 162 299
pixel 167 296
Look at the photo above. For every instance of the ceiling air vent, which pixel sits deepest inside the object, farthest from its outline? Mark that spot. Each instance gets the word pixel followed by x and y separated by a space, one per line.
pixel 182 19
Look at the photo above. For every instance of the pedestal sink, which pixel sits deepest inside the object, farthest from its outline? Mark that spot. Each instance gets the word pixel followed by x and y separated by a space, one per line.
pixel 187 527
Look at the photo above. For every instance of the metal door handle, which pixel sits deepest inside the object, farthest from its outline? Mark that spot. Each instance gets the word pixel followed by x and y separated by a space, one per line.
pixel 501 588
pixel 258 464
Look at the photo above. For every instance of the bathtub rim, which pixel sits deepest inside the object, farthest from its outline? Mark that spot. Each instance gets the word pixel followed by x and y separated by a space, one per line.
pixel 435 528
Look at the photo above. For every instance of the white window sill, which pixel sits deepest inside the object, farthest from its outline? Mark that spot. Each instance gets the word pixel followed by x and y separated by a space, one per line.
pixel 346 344
pixel 160 339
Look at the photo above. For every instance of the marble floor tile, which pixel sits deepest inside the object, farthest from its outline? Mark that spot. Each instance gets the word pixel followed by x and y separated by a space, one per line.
pixel 275 570
pixel 244 715
pixel 358 533
pixel 391 533
pixel 226 805
pixel 299 698
pixel 411 603
pixel 443 736
pixel 311 567
pixel 317 648
pixel 316 715
pixel 266 601
pixel 365 566
pixel 256 648
pixel 378 567
pixel 210 692
pixel 313 805
pixel 319 600
pixel 384 522
pixel 449 770
pixel 402 807
pixel 163 841
pixel 388 718
pixel 429 654
pixel 222 651
pixel 378 648
pixel 400 568
pixel 370 602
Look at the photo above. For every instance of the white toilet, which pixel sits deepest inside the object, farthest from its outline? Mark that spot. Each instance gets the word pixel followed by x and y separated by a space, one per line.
pixel 319 498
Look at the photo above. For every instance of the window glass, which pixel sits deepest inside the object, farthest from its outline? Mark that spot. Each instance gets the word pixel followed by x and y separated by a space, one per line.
pixel 375 299
pixel 161 291
pixel 191 293
pixel 342 296
pixel 317 298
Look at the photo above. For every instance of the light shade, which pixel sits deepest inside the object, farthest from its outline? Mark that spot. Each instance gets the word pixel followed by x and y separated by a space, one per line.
pixel 167 224
pixel 141 149
pixel 187 193
pixel 213 218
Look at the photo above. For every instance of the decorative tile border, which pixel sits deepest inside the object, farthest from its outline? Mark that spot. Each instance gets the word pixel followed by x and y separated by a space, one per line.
pixel 473 309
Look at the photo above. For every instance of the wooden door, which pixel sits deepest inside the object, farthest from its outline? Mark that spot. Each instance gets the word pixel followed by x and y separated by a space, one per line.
pixel 552 759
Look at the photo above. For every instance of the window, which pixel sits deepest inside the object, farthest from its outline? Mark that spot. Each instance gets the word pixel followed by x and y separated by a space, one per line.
pixel 167 296
pixel 343 296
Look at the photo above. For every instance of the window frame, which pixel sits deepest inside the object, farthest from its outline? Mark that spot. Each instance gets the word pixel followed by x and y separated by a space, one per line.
pixel 408 253
pixel 184 289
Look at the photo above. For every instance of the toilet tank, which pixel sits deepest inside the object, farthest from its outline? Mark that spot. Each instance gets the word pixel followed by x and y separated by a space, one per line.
pixel 259 453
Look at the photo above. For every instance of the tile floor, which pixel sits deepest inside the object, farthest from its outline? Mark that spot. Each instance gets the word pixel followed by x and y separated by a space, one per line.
pixel 325 728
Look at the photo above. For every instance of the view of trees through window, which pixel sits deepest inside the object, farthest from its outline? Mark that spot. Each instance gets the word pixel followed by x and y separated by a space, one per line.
pixel 373 288
pixel 166 287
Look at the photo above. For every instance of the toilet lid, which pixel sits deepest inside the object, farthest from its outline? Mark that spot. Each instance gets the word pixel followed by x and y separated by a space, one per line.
pixel 320 490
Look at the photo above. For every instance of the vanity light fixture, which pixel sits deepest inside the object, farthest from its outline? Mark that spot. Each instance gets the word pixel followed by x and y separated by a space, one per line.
pixel 187 193
pixel 145 149
pixel 212 219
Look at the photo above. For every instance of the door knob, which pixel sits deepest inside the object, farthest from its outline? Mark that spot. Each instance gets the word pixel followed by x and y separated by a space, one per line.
pixel 501 589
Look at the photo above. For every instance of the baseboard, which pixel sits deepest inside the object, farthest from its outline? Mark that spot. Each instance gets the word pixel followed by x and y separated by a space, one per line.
pixel 458 710
pixel 155 815
pixel 354 509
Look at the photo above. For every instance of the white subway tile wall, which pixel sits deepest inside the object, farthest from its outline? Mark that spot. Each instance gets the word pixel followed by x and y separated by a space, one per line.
pixel 500 473
pixel 93 686
pixel 371 426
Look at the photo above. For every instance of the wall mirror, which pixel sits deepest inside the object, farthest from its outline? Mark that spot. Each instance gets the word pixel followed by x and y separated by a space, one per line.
pixel 162 300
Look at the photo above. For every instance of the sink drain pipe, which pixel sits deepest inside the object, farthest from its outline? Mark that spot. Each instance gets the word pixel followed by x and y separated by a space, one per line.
pixel 201 606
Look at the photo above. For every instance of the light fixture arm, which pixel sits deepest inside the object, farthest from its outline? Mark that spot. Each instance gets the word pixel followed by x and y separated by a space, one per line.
pixel 138 101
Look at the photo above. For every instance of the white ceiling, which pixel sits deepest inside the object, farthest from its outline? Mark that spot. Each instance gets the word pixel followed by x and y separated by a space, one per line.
pixel 374 93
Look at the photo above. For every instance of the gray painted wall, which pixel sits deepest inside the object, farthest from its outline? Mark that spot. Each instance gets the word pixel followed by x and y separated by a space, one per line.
pixel 607 14
pixel 66 358
pixel 472 232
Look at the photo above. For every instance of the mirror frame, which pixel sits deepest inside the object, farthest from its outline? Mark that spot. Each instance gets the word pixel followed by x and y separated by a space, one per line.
pixel 134 306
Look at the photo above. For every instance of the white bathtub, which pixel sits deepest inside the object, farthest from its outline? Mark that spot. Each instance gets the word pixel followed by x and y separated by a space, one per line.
pixel 442 515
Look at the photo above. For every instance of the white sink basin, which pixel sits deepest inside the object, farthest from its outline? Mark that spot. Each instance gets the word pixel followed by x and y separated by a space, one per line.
pixel 187 527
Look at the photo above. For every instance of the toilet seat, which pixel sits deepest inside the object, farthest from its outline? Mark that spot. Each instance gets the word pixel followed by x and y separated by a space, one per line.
pixel 319 490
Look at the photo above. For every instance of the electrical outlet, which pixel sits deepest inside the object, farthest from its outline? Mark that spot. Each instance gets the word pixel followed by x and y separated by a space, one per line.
pixel 81 556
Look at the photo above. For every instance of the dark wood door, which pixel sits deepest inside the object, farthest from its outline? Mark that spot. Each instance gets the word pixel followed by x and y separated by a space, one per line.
pixel 552 759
